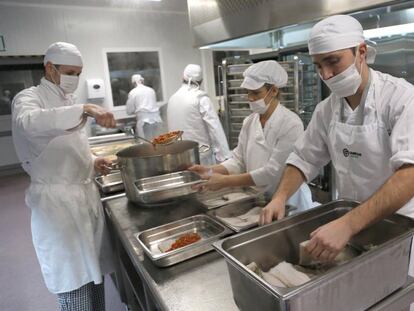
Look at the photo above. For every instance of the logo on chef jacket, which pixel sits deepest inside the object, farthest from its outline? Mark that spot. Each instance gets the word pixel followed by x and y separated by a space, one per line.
pixel 347 153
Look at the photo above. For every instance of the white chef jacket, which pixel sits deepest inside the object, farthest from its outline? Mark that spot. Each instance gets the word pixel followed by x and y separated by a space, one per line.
pixel 262 152
pixel 191 110
pixel 389 102
pixel 143 103
pixel 67 218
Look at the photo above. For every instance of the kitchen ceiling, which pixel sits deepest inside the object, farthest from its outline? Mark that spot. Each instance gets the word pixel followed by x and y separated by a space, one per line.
pixel 164 5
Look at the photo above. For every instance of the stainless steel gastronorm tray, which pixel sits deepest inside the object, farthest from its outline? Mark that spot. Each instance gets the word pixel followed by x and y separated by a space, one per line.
pixel 110 183
pixel 168 186
pixel 209 229
pixel 214 199
pixel 379 269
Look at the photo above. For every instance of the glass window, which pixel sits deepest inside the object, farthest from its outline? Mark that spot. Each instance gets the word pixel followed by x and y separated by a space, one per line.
pixel 16 74
pixel 122 65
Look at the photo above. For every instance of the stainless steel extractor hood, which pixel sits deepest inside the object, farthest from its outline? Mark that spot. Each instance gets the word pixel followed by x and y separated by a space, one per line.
pixel 215 21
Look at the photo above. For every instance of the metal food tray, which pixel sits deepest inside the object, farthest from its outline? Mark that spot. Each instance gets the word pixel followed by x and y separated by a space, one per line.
pixel 110 183
pixel 168 186
pixel 240 112
pixel 379 269
pixel 235 82
pixel 210 199
pixel 111 148
pixel 238 98
pixel 209 229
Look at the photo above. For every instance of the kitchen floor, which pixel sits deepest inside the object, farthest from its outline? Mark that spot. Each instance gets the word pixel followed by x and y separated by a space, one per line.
pixel 21 283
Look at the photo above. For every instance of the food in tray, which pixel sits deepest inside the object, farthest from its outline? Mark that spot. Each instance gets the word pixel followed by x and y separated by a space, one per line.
pixel 283 274
pixel 167 137
pixel 183 240
pixel 306 260
pixel 246 219
pixel 288 275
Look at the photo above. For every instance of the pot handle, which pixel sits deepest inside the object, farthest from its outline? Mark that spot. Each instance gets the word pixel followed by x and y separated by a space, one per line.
pixel 115 166
pixel 204 148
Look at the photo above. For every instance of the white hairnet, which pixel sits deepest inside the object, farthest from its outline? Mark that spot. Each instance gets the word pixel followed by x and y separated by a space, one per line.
pixel 268 71
pixel 63 53
pixel 193 72
pixel 137 78
pixel 335 33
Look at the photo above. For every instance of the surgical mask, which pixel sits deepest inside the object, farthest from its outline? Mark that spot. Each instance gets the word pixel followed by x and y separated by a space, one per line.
pixel 345 83
pixel 68 84
pixel 259 105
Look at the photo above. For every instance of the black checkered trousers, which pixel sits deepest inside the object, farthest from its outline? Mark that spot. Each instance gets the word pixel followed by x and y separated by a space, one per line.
pixel 89 297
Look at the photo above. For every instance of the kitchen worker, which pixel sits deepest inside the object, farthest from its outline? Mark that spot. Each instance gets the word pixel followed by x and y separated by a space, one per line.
pixel 67 218
pixel 191 110
pixel 365 127
pixel 266 138
pixel 143 103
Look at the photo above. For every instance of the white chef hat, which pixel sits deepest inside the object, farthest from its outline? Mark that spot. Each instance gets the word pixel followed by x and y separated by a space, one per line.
pixel 137 78
pixel 268 71
pixel 335 33
pixel 63 53
pixel 193 72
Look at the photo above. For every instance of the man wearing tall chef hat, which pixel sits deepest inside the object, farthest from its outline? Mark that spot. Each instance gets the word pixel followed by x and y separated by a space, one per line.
pixel 67 220
pixel 365 127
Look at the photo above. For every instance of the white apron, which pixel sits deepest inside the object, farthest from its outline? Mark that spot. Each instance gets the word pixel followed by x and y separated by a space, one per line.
pixel 68 224
pixel 361 157
pixel 148 124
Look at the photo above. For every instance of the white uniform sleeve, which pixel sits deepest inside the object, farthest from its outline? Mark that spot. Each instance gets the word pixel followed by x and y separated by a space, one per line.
pixel 271 173
pixel 236 164
pixel 215 130
pixel 36 121
pixel 130 104
pixel 401 121
pixel 310 152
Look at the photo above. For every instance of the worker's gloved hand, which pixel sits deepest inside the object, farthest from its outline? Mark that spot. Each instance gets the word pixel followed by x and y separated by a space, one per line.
pixel 103 166
pixel 216 182
pixel 276 209
pixel 102 116
pixel 329 240
pixel 205 172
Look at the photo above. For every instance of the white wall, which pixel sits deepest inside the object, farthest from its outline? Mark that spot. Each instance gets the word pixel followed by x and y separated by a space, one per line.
pixel 29 30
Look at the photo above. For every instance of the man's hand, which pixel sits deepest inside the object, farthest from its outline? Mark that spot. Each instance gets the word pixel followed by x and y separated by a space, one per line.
pixel 275 209
pixel 102 165
pixel 329 240
pixel 102 116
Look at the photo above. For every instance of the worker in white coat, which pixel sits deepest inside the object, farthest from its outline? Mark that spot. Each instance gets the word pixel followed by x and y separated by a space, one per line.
pixel 266 138
pixel 365 127
pixel 191 110
pixel 142 102
pixel 67 218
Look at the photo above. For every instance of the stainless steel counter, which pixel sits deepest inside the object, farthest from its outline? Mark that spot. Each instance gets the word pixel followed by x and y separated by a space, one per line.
pixel 201 283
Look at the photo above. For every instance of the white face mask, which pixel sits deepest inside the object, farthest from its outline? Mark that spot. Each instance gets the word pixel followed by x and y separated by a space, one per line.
pixel 345 83
pixel 259 105
pixel 68 84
